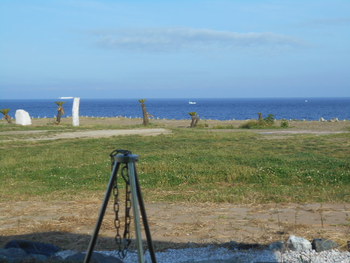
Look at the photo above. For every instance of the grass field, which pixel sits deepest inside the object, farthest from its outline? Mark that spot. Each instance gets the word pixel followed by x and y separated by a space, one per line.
pixel 195 165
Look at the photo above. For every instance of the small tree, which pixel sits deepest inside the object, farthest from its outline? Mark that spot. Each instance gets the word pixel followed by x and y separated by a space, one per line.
pixel 195 119
pixel 60 111
pixel 260 123
pixel 146 115
pixel 6 115
pixel 270 120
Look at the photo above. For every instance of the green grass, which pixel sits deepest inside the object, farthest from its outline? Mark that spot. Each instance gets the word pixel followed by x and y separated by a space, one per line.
pixel 189 165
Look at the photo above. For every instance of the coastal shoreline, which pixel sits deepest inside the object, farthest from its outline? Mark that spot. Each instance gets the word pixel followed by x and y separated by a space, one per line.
pixel 122 122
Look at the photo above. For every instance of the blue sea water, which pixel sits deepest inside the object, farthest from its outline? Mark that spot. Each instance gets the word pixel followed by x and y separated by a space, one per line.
pixel 219 109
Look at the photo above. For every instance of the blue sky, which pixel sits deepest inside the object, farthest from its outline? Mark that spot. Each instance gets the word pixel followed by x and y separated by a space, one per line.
pixel 174 49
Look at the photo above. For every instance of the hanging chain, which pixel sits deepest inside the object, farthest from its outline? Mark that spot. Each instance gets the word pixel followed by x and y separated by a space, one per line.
pixel 122 242
pixel 126 234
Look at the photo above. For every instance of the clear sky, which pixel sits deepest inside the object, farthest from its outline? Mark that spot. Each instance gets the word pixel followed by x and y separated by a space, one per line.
pixel 174 49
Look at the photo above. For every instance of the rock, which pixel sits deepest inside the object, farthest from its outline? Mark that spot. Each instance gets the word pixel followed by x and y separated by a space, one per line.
pixel 232 245
pixel 321 244
pixel 64 254
pixel 298 244
pixel 22 117
pixel 12 255
pixel 232 260
pixel 38 257
pixel 31 247
pixel 279 245
pixel 75 111
pixel 95 258
pixel 243 246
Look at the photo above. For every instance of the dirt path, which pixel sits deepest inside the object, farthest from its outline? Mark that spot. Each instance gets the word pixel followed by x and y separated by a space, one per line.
pixel 69 224
pixel 39 135
pixel 45 135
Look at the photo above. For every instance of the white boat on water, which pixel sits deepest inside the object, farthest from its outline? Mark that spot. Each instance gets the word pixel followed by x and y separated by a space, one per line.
pixel 192 102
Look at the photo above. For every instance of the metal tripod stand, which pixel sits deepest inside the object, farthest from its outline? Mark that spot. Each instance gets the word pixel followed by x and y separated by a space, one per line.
pixel 128 159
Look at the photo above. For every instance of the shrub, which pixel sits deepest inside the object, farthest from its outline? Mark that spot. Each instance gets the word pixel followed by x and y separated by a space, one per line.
pixel 203 125
pixel 253 124
pixel 230 126
pixel 6 114
pixel 269 120
pixel 284 124
pixel 261 123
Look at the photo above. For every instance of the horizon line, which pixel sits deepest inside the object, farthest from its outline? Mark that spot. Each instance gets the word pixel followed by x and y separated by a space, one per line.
pixel 184 98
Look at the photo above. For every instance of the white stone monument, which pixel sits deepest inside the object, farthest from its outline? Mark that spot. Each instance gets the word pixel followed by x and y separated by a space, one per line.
pixel 22 117
pixel 75 111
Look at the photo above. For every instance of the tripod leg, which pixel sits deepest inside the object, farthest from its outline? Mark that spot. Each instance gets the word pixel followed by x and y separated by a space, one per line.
pixel 144 220
pixel 131 167
pixel 102 212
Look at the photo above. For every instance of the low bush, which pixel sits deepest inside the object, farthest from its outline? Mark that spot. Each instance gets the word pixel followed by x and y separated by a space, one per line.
pixel 269 120
pixel 284 124
pixel 253 124
pixel 261 123
pixel 224 127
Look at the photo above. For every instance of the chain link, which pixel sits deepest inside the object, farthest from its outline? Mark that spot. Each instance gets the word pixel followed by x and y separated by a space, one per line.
pixel 122 242
pixel 126 234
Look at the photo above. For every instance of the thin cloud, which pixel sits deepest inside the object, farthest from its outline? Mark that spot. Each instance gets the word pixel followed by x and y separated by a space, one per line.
pixel 175 39
pixel 345 21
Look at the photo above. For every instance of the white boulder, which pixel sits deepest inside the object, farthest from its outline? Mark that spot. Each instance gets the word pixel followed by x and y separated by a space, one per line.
pixel 334 120
pixel 22 117
pixel 298 244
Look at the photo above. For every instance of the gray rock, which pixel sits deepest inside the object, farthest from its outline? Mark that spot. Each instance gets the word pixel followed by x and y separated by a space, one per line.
pixel 32 247
pixel 232 260
pixel 38 257
pixel 16 255
pixel 232 245
pixel 298 244
pixel 321 244
pixel 12 255
pixel 64 254
pixel 279 245
pixel 12 252
pixel 95 258
pixel 243 246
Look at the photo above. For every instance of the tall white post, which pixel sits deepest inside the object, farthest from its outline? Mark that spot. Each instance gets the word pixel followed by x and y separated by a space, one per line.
pixel 75 111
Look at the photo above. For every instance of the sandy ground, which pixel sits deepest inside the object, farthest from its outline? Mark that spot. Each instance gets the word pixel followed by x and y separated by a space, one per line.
pixel 165 126
pixel 87 134
pixel 69 224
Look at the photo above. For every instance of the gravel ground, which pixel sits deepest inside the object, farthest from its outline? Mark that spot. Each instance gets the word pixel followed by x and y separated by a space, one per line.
pixel 213 254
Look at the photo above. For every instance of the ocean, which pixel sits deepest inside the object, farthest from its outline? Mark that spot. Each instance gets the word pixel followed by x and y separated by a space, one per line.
pixel 218 109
